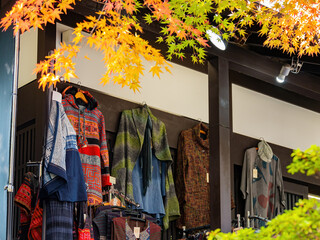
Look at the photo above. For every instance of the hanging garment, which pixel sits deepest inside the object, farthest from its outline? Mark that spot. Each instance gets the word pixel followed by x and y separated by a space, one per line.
pixel 150 201
pixel 59 220
pixel 89 124
pixel 25 199
pixel 85 229
pixel 192 185
pixel 102 223
pixel 123 228
pixel 127 149
pixel 35 231
pixel 63 175
pixel 262 185
pixel 191 177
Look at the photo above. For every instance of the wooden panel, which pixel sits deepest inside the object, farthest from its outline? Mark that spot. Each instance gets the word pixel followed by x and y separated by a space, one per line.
pixel 111 107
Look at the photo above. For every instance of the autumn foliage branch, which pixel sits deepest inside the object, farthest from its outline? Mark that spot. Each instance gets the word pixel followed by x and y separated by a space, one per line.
pixel 292 26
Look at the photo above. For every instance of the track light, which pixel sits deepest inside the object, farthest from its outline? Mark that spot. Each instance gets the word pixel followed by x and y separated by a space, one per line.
pixel 217 40
pixel 285 70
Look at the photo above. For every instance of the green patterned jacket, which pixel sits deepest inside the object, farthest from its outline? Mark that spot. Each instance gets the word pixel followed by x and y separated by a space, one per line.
pixel 127 148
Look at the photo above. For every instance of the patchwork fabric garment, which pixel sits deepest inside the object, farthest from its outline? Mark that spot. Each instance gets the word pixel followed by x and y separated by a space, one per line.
pixel 89 125
pixel 123 228
pixel 59 216
pixel 63 174
pixel 128 145
pixel 191 178
pixel 25 199
pixel 264 193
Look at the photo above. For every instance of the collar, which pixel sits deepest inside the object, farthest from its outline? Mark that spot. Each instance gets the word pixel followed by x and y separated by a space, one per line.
pixel 159 135
pixel 196 133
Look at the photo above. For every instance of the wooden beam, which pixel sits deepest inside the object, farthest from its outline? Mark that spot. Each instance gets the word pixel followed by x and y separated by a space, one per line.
pixel 265 69
pixel 220 165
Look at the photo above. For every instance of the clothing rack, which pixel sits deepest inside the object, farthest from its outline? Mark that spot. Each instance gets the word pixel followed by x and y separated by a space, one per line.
pixel 189 230
pixel 36 164
pixel 259 218
pixel 122 195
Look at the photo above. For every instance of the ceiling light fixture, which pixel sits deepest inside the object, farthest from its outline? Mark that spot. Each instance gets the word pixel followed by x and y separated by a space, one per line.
pixel 217 40
pixel 295 68
pixel 285 70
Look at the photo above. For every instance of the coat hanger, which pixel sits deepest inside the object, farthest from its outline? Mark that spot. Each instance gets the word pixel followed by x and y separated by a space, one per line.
pixel 80 94
pixel 201 130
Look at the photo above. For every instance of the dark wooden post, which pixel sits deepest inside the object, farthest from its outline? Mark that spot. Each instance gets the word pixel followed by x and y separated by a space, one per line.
pixel 220 164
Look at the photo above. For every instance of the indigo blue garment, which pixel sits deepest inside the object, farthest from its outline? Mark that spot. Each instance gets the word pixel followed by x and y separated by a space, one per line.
pixel 152 201
pixel 75 189
pixel 59 220
pixel 63 177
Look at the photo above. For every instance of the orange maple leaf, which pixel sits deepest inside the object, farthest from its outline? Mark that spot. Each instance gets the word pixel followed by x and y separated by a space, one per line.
pixel 203 41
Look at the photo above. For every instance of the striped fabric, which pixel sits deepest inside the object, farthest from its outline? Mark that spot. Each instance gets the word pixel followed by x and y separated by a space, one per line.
pixel 89 125
pixel 59 217
pixel 127 149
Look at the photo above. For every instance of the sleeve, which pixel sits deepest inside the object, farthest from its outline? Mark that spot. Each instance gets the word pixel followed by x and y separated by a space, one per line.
pixel 171 201
pixel 54 174
pixel 180 177
pixel 280 187
pixel 244 176
pixel 104 153
pixel 155 231
pixel 120 157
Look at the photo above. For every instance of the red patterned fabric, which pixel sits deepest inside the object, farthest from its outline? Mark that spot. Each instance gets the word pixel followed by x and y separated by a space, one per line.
pixel 25 199
pixel 89 125
pixel 35 230
pixel 84 234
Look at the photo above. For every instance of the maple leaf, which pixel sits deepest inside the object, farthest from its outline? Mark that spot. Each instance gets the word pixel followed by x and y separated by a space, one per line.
pixel 155 70
pixel 108 6
pixel 130 8
pixel 203 41
pixel 55 14
pixel 23 26
pixel 105 79
pixel 64 6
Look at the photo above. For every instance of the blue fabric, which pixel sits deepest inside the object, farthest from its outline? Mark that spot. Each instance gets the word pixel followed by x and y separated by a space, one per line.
pixel 151 202
pixel 75 189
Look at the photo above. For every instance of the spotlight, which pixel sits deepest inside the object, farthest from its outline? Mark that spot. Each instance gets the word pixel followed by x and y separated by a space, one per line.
pixel 217 40
pixel 285 70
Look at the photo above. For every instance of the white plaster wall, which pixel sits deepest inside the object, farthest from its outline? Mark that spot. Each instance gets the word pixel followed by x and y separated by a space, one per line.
pixel 184 92
pixel 257 115
pixel 28 57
